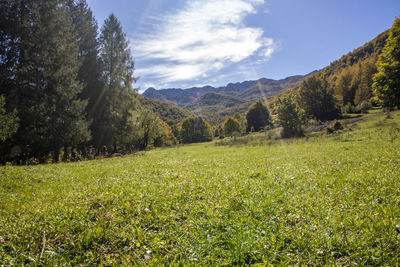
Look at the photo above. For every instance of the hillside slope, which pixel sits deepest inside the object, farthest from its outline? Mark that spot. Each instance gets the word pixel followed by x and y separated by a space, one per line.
pixel 371 48
pixel 210 104
pixel 167 112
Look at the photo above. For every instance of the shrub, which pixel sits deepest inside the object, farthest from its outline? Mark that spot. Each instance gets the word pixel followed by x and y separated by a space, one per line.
pixel 334 127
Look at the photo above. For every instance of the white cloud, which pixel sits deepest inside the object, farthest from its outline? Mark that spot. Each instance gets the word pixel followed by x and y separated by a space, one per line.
pixel 201 39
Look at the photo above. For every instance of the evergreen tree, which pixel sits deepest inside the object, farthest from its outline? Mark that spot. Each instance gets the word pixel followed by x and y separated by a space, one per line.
pixel 386 84
pixel 51 114
pixel 258 117
pixel 117 97
pixel 9 38
pixel 89 74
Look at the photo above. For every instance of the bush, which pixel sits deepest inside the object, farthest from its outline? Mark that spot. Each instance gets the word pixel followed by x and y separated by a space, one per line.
pixel 334 127
pixel 363 107
pixel 337 125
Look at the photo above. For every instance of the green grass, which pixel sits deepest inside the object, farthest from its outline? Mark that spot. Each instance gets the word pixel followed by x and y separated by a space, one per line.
pixel 328 200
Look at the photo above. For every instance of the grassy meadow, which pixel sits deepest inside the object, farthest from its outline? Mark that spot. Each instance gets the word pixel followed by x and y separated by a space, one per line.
pixel 323 200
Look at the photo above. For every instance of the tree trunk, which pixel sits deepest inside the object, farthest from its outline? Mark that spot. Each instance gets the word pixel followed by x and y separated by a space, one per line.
pixel 56 155
pixel 65 156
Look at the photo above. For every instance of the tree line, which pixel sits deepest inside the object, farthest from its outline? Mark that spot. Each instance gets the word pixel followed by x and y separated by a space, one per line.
pixel 66 88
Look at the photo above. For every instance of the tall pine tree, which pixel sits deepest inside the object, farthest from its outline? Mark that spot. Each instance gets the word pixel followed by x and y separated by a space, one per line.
pixel 51 114
pixel 117 97
pixel 9 27
pixel 86 32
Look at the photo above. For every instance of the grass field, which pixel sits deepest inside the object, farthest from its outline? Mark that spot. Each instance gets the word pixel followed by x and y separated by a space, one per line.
pixel 325 200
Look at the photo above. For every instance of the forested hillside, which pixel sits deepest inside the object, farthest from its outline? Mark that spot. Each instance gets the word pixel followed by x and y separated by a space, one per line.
pixel 168 113
pixel 368 50
pixel 345 86
pixel 209 104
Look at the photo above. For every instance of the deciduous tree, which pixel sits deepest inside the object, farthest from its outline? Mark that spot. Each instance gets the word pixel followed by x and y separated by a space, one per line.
pixel 258 117
pixel 195 130
pixel 316 98
pixel 231 127
pixel 290 116
pixel 386 84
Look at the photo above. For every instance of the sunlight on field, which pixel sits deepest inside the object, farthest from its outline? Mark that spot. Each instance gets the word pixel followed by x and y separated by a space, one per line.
pixel 328 200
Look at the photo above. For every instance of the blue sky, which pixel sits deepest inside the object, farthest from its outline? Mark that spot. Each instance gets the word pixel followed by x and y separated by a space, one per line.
pixel 186 43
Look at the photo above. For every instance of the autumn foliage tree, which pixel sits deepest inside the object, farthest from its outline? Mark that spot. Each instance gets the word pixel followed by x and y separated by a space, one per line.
pixel 386 84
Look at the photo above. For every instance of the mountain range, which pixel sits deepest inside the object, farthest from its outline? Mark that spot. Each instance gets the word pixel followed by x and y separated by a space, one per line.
pixel 244 91
pixel 216 103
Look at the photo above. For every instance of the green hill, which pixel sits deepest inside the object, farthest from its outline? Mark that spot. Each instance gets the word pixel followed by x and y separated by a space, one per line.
pixel 209 104
pixel 168 113
pixel 215 101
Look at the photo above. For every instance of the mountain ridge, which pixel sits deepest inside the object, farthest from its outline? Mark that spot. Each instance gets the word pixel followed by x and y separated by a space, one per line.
pixel 247 90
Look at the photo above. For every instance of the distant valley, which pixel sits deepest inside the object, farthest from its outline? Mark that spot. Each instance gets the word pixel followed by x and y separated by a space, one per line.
pixel 217 103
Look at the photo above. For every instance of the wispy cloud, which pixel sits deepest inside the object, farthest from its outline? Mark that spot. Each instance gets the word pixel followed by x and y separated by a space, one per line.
pixel 199 40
